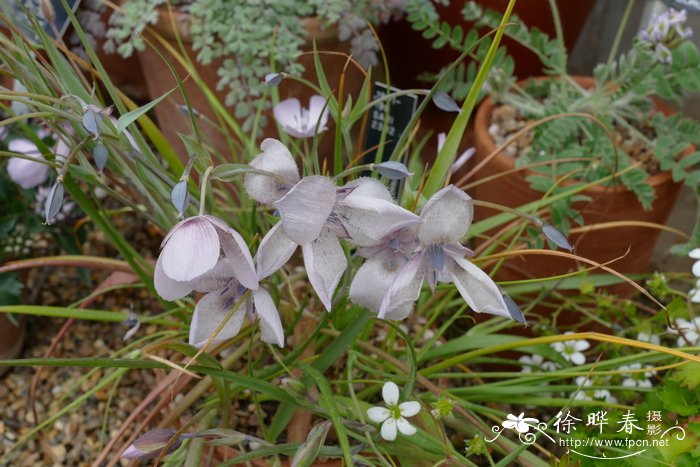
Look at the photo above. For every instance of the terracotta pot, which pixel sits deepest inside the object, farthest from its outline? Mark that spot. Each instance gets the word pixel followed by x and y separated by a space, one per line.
pixel 11 338
pixel 608 203
pixel 172 121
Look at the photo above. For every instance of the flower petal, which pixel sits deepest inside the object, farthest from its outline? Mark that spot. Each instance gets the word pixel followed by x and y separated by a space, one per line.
pixel 190 249
pixel 369 214
pixel 477 288
pixel 270 325
pixel 237 253
pixel 369 286
pixel 325 263
pixel 274 251
pixel 694 253
pixel 388 430
pixel 404 289
pixel 168 288
pixel 446 216
pixel 409 409
pixel 577 358
pixel 288 113
pixel 390 393
pixel 378 414
pixel 305 209
pixel 209 312
pixel 405 427
pixel 26 173
pixel 277 159
pixel 317 114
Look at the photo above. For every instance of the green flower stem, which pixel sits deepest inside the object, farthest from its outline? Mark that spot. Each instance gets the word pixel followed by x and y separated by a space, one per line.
pixel 203 189
pixel 447 154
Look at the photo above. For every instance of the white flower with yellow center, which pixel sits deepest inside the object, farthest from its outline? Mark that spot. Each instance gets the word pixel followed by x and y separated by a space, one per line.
pixel 393 416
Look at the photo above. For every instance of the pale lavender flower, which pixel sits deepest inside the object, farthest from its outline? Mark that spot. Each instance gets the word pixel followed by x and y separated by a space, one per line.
pixel 301 122
pixel 316 214
pixel 284 174
pixel 215 306
pixel 393 416
pixel 384 261
pixel 190 246
pixel 439 257
pixel 24 172
pixel 665 32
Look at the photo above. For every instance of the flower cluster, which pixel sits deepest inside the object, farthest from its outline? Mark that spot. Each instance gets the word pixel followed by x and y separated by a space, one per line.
pixel 695 293
pixel 403 250
pixel 665 32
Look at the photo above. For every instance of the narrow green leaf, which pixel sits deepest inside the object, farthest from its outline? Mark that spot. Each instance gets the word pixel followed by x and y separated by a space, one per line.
pixel 327 396
pixel 130 117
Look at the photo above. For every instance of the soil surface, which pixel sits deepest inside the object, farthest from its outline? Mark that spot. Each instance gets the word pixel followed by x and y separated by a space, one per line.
pixel 505 122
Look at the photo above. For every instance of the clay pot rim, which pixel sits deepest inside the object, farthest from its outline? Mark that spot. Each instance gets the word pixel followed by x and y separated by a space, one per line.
pixel 164 27
pixel 482 121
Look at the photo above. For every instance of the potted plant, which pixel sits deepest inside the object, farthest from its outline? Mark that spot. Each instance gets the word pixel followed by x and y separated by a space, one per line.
pixel 611 132
pixel 235 45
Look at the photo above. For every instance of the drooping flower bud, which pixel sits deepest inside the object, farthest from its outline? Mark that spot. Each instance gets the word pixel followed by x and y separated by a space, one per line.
pixel 558 238
pixel 100 155
pixel 273 79
pixel 180 196
pixel 393 170
pixel 151 444
pixel 90 122
pixel 53 201
pixel 443 101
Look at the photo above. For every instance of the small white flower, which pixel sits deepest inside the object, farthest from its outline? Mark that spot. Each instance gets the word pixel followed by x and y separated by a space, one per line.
pixel 690 329
pixel 650 338
pixel 572 350
pixel 593 393
pixel 529 362
pixel 637 379
pixel 695 293
pixel 520 423
pixel 393 416
pixel 300 122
